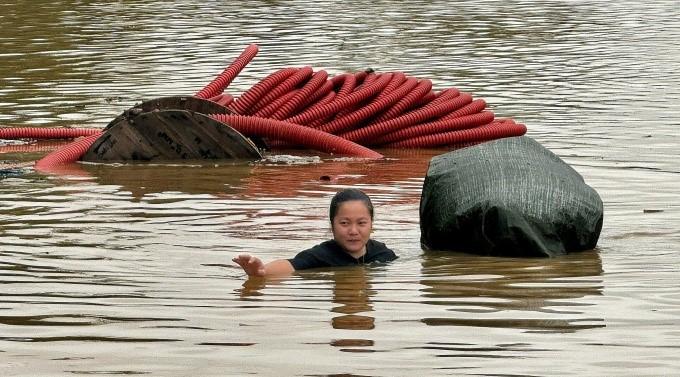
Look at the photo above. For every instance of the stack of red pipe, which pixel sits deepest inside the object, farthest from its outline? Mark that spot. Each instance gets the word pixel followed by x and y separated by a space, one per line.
pixel 366 108
pixel 344 114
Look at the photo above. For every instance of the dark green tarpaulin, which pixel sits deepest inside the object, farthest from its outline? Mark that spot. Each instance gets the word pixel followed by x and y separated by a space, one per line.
pixel 508 197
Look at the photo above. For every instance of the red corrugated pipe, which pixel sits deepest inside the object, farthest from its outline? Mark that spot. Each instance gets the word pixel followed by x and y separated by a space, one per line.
pixel 68 154
pixel 41 133
pixel 331 114
pixel 282 89
pixel 259 90
pixel 295 133
pixel 491 131
pixel 225 78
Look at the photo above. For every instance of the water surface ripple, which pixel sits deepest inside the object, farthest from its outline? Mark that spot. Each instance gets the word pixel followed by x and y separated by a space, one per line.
pixel 125 269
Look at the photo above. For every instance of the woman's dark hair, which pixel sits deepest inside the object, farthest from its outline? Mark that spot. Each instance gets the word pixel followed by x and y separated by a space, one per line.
pixel 347 195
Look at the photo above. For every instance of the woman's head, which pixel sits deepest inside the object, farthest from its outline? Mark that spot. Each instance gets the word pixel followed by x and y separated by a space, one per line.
pixel 347 195
pixel 351 215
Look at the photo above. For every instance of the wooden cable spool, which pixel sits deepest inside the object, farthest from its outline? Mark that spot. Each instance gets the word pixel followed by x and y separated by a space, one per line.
pixel 169 135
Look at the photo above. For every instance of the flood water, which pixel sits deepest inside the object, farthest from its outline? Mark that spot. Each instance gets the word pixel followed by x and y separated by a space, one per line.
pixel 112 270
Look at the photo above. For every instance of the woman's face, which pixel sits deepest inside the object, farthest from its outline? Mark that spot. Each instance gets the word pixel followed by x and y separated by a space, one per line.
pixel 352 226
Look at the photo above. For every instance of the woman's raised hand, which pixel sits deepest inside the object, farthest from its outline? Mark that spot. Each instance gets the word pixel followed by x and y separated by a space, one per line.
pixel 253 266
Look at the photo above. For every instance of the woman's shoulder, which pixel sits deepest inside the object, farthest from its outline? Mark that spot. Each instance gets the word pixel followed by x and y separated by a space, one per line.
pixel 377 249
pixel 376 245
pixel 320 255
pixel 327 245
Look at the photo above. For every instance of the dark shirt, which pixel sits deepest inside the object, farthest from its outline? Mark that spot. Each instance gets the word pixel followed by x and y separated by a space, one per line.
pixel 331 254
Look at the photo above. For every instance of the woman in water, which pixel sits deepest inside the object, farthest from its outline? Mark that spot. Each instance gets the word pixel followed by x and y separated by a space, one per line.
pixel 351 215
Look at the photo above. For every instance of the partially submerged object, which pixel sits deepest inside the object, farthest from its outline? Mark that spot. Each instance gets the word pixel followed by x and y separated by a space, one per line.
pixel 347 114
pixel 509 197
pixel 169 135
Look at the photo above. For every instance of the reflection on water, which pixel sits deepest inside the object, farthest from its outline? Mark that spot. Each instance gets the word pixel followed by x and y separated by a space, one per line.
pixel 351 294
pixel 141 179
pixel 138 255
pixel 486 291
pixel 278 176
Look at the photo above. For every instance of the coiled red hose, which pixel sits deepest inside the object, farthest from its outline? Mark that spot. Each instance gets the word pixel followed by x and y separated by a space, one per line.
pixel 369 108
pixel 342 123
pixel 68 154
pixel 342 102
pixel 282 89
pixel 40 147
pixel 444 125
pixel 487 132
pixel 11 133
pixel 434 109
pixel 342 114
pixel 225 78
pixel 268 110
pixel 290 132
pixel 257 91
pixel 316 82
pixel 416 94
pixel 347 82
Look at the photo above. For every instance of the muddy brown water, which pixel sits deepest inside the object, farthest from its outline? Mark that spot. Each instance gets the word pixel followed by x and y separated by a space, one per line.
pixel 125 269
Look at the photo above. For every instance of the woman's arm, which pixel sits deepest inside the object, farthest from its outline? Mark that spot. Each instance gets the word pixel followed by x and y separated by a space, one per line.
pixel 253 266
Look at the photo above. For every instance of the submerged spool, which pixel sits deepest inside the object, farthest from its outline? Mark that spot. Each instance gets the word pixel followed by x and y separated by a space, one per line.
pixel 169 135
pixel 198 105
